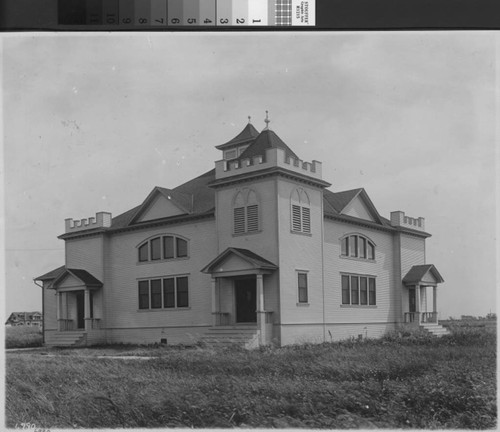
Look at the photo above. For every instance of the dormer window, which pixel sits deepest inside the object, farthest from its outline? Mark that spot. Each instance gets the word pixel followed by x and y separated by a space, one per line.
pixel 231 154
pixel 163 248
pixel 357 246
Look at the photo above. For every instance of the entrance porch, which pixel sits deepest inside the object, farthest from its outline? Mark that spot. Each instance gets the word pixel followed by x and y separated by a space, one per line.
pixel 78 309
pixel 239 283
pixel 417 305
pixel 416 310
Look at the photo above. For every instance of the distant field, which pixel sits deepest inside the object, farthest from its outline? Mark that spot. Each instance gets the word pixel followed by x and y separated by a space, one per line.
pixel 397 382
pixel 23 337
pixel 469 323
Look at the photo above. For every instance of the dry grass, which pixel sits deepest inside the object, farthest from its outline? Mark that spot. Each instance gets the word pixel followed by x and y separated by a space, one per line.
pixel 23 337
pixel 396 382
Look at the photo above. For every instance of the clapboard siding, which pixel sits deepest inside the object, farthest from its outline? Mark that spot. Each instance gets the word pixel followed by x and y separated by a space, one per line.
pixel 412 252
pixel 300 252
pixel 264 243
pixel 49 308
pixel 86 254
pixel 382 268
pixel 124 271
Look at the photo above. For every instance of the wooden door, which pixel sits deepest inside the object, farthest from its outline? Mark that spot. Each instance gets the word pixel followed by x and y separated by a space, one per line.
pixel 246 300
pixel 80 309
pixel 413 300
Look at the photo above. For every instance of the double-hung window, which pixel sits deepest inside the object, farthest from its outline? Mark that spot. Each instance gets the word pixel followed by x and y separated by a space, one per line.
pixel 303 288
pixel 164 293
pixel 358 290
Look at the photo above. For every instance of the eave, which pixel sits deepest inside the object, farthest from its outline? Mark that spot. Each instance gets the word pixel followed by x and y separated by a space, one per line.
pixel 226 181
pixel 362 222
pixel 141 225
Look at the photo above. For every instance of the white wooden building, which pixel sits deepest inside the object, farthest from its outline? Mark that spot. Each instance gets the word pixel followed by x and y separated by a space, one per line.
pixel 255 251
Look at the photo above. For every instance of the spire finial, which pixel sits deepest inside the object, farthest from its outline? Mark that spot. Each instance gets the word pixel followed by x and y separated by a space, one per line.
pixel 267 121
pixel 249 119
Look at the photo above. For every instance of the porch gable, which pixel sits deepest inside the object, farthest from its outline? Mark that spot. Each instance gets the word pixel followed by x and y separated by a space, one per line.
pixel 237 261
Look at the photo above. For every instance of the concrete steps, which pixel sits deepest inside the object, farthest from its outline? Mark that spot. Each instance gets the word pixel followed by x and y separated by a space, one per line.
pixel 244 336
pixel 434 328
pixel 66 339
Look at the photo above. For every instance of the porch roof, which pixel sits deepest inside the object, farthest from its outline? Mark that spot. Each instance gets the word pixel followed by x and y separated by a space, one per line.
pixel 83 275
pixel 417 275
pixel 53 274
pixel 249 259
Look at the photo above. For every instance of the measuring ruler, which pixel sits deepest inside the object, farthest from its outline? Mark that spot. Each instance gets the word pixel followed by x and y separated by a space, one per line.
pixel 157 14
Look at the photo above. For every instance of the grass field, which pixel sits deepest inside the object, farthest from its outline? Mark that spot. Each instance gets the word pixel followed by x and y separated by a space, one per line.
pixel 23 337
pixel 396 382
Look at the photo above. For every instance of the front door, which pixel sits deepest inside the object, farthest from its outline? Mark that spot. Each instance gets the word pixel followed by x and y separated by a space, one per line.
pixel 413 300
pixel 80 309
pixel 246 300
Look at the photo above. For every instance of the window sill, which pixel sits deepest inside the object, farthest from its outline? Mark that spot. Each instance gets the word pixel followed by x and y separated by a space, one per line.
pixel 301 233
pixel 358 306
pixel 164 309
pixel 247 233
pixel 303 304
pixel 162 260
pixel 358 259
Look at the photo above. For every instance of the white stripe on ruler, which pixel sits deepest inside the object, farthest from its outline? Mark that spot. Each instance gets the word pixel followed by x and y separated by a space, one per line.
pixel 257 12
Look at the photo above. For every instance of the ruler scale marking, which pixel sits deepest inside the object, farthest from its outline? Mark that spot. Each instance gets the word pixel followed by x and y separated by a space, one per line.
pixel 159 13
pixel 208 12
pixel 140 14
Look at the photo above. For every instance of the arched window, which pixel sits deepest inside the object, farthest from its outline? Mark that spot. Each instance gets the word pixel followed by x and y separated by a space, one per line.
pixel 245 212
pixel 163 247
pixel 300 212
pixel 357 246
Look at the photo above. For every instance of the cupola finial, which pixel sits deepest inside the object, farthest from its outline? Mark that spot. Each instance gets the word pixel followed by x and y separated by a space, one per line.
pixel 249 119
pixel 267 121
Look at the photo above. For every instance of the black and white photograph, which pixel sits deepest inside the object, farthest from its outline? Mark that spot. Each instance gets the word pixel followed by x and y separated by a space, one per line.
pixel 254 230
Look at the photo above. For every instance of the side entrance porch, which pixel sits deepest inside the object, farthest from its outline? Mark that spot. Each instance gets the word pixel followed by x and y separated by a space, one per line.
pixel 416 311
pixel 241 282
pixel 78 309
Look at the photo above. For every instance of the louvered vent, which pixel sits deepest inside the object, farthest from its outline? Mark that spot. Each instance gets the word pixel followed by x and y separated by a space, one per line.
pixel 252 218
pixel 296 225
pixel 306 220
pixel 239 220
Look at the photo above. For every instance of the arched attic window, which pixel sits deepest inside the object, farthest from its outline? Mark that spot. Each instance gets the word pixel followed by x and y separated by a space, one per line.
pixel 357 246
pixel 300 212
pixel 245 212
pixel 163 247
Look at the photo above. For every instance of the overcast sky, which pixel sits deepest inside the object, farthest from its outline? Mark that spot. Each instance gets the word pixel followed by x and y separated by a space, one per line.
pixel 94 122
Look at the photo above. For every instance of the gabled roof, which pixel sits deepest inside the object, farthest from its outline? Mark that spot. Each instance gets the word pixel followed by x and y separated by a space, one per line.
pixel 53 274
pixel 194 195
pixel 267 139
pixel 184 202
pixel 340 201
pixel 335 202
pixel 416 274
pixel 196 199
pixel 22 316
pixel 252 258
pixel 249 133
pixel 83 275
